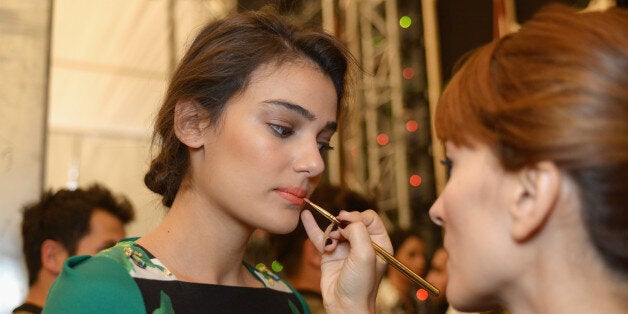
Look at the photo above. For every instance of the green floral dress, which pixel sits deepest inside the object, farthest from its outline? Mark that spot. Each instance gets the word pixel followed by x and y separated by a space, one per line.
pixel 128 279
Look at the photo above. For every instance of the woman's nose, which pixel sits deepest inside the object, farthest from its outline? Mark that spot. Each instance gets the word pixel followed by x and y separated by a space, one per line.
pixel 309 160
pixel 436 212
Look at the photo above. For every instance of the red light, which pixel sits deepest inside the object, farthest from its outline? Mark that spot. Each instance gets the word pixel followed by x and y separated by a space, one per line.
pixel 412 126
pixel 354 152
pixel 421 294
pixel 407 73
pixel 415 180
pixel 382 139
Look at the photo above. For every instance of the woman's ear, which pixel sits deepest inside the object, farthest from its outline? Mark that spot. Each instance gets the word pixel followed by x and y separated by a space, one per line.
pixel 53 255
pixel 190 122
pixel 538 192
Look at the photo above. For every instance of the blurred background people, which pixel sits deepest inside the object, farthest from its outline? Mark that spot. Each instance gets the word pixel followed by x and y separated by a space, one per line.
pixel 66 223
pixel 297 255
pixel 437 276
pixel 397 293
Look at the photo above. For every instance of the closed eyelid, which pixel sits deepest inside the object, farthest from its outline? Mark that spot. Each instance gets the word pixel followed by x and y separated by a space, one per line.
pixel 280 130
pixel 325 146
pixel 448 164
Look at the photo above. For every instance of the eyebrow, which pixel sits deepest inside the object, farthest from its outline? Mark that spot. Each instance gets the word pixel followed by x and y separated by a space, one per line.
pixel 301 111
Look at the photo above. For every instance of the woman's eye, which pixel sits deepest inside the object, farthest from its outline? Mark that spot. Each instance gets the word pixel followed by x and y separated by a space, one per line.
pixel 447 163
pixel 281 131
pixel 324 147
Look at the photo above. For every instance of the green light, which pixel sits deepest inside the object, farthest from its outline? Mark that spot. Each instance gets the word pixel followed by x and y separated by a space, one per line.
pixel 276 266
pixel 405 21
pixel 378 41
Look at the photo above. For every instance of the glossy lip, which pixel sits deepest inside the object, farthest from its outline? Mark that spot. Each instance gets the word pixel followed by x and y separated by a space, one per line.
pixel 293 195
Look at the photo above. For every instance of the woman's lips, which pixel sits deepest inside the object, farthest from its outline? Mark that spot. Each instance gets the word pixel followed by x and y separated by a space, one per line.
pixel 294 196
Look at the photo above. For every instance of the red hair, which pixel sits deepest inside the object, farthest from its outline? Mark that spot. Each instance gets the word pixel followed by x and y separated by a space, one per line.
pixel 556 90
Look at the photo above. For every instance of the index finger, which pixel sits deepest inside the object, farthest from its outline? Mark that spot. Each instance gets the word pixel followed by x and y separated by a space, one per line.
pixel 315 233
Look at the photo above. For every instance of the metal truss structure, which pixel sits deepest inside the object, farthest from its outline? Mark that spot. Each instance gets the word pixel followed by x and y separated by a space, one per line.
pixel 371 33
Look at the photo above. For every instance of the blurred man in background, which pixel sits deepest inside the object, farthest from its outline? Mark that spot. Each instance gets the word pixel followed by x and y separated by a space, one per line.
pixel 64 224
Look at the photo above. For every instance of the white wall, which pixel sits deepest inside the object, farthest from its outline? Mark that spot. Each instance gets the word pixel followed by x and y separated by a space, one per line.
pixel 101 78
pixel 24 34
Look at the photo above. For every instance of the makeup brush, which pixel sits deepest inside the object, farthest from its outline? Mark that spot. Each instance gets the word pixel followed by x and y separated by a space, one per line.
pixel 391 260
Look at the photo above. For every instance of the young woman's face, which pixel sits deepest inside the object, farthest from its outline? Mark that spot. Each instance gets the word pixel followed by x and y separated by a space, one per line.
pixel 473 211
pixel 266 153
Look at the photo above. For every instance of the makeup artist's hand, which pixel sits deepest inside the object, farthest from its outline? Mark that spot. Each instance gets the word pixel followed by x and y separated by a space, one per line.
pixel 351 272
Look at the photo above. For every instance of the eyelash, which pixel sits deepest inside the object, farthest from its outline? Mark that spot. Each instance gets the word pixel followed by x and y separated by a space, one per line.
pixel 447 163
pixel 283 132
pixel 324 147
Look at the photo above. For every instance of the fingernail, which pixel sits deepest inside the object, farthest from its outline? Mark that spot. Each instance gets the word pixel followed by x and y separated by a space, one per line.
pixel 343 224
pixel 328 242
pixel 334 227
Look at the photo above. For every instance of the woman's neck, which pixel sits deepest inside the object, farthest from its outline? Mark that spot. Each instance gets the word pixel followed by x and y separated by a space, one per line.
pixel 560 269
pixel 567 286
pixel 200 245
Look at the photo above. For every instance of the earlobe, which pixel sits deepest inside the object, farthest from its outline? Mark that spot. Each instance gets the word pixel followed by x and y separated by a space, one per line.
pixel 538 192
pixel 53 255
pixel 190 122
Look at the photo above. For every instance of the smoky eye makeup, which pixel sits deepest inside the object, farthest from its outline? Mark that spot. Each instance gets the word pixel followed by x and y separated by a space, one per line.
pixel 324 147
pixel 447 163
pixel 280 130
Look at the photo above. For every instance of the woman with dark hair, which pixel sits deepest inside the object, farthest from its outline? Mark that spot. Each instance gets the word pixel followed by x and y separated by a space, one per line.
pixel 535 126
pixel 243 130
pixel 397 293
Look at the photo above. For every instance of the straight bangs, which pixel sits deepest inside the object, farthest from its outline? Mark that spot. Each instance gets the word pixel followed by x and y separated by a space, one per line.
pixel 462 111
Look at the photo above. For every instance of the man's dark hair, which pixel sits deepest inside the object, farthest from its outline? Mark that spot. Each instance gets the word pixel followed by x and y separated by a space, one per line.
pixel 64 216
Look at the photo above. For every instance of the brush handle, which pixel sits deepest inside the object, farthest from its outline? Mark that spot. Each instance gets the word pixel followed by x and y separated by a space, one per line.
pixel 391 260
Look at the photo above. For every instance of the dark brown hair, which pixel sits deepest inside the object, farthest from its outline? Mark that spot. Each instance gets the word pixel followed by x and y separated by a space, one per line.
pixel 219 64
pixel 556 90
pixel 64 216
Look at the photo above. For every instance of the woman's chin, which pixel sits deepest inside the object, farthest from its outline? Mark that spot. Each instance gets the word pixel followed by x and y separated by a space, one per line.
pixel 284 225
